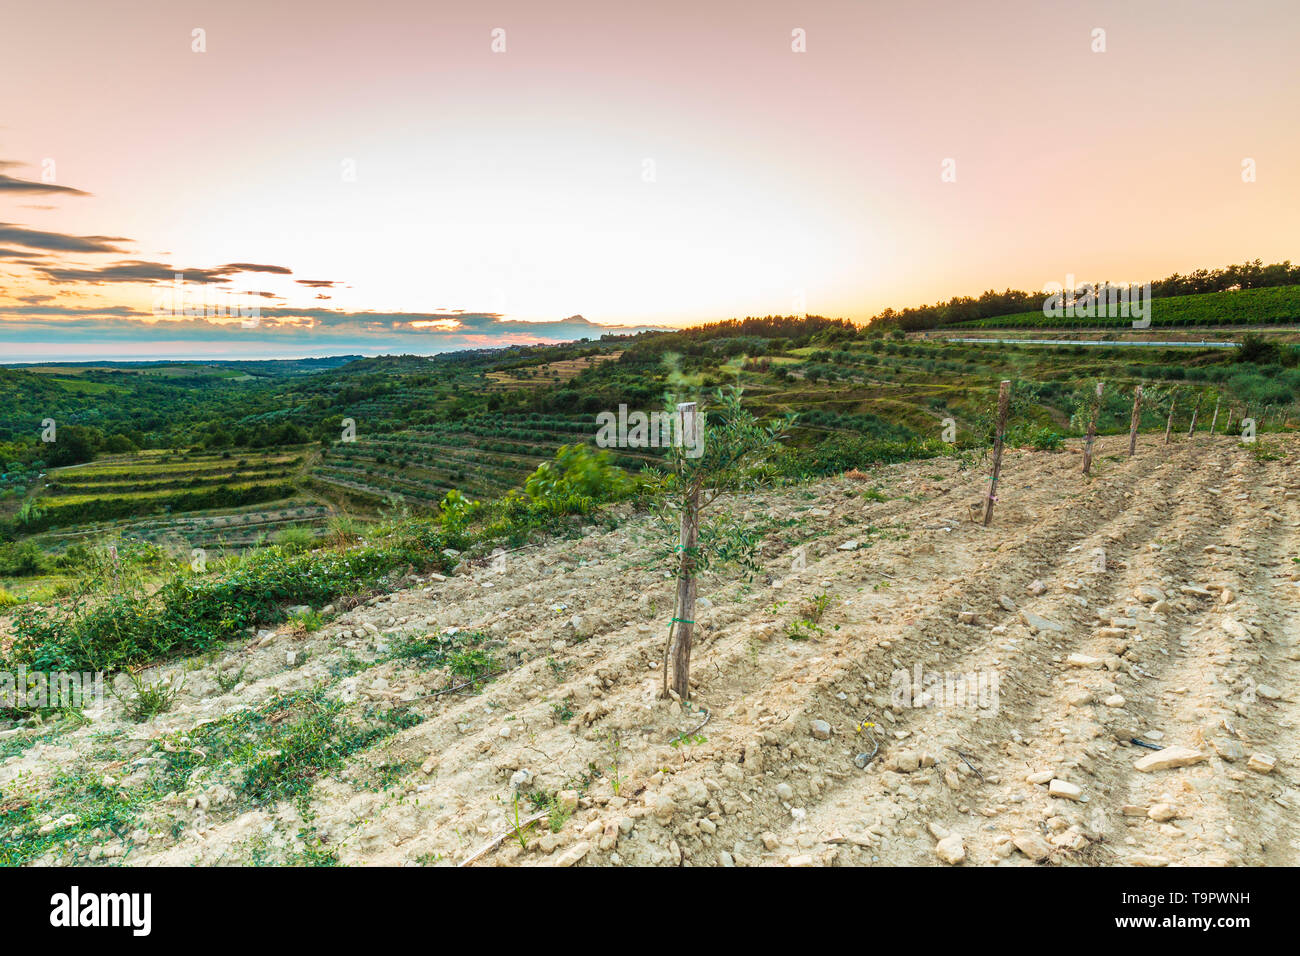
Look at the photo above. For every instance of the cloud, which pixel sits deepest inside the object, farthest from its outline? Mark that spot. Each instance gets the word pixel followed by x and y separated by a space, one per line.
pixel 139 270
pixel 17 243
pixel 37 307
pixel 133 271
pixel 36 331
pixel 57 241
pixel 254 267
pixel 27 186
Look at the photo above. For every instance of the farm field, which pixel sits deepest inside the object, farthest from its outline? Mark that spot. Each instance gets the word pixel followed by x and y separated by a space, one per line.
pixel 411 681
pixel 160 495
pixel 1250 307
pixel 484 456
pixel 548 373
pixel 1186 638
pixel 422 427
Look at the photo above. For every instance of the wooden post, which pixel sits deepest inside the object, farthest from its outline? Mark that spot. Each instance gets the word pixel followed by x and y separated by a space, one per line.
pixel 1192 427
pixel 1092 431
pixel 684 619
pixel 1004 409
pixel 1169 425
pixel 1214 421
pixel 1133 423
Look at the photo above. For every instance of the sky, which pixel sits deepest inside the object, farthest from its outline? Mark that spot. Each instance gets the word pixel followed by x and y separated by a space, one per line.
pixel 334 177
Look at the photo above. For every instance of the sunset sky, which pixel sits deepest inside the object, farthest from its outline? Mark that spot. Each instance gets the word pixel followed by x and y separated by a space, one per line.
pixel 377 179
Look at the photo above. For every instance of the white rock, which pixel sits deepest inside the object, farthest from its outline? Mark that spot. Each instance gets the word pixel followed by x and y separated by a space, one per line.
pixel 1084 660
pixel 950 849
pixel 1148 594
pixel 1032 846
pixel 1065 790
pixel 1261 763
pixel 1169 758
pixel 573 854
pixel 1162 812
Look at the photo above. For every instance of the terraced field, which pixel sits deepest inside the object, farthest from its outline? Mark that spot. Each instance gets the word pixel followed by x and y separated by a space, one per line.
pixel 192 499
pixel 548 373
pixel 485 456
pixel 1154 606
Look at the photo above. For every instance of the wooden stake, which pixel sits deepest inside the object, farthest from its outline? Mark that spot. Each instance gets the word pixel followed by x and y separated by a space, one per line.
pixel 1004 409
pixel 684 619
pixel 1170 424
pixel 1192 427
pixel 1133 423
pixel 1092 431
pixel 1214 421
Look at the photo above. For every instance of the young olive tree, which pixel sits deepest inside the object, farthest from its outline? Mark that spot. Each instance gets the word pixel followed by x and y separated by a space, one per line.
pixel 715 453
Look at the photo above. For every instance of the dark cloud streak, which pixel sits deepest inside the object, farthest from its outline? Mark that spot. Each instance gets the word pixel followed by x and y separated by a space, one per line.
pixel 57 241
pixel 27 186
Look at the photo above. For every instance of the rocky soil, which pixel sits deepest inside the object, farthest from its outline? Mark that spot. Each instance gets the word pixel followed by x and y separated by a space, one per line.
pixel 1157 602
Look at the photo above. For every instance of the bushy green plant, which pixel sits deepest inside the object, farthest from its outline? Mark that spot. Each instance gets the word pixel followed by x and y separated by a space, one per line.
pixel 841 453
pixel 578 470
pixel 457 511
pixel 150 699
pixel 293 540
pixel 1044 438
pixel 22 559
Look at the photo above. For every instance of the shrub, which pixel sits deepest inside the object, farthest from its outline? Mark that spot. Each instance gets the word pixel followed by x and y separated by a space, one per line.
pixel 578 471
pixel 150 699
pixel 22 560
pixel 842 453
pixel 294 540
pixel 115 619
pixel 1045 438
pixel 1257 349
